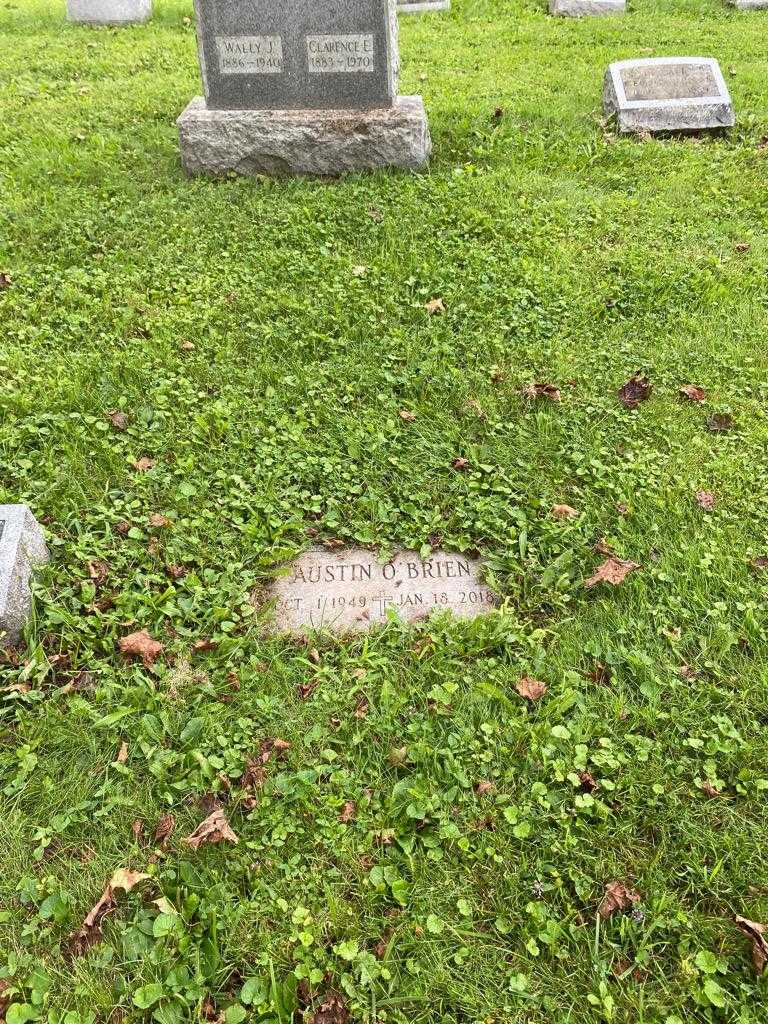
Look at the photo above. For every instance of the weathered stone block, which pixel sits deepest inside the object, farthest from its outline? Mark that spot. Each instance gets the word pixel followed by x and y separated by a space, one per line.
pixel 422 6
pixel 351 591
pixel 586 8
pixel 109 12
pixel 667 94
pixel 22 547
pixel 303 142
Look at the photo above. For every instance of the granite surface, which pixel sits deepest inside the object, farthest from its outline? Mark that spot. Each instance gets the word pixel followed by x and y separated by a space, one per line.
pixel 586 8
pixel 423 6
pixel 22 547
pixel 298 54
pixel 303 142
pixel 351 591
pixel 109 12
pixel 667 94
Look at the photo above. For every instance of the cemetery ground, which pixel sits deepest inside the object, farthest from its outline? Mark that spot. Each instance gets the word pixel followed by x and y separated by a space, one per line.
pixel 198 377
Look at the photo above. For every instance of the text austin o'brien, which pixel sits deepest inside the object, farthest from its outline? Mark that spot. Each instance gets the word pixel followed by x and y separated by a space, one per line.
pixel 356 573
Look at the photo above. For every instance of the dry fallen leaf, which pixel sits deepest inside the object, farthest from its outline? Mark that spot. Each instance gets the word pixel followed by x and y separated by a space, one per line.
pixel 122 754
pixel 564 512
pixel 187 346
pixel 636 390
pixel 359 271
pixel 720 423
pixel 530 688
pixel 118 419
pixel 141 645
pixel 693 392
pixel 460 463
pixel 484 786
pixel 472 405
pixel 164 830
pixel 588 782
pixel 407 415
pixel 705 500
pixel 435 306
pixel 90 930
pixel 5 280
pixel 613 571
pixel 540 390
pixel 362 708
pixel 742 247
pixel 761 562
pixel 375 214
pixel 617 896
pixel 215 829
pixel 98 571
pixel 756 933
pixel 159 521
pixel 143 464
pixel 348 812
pixel 331 1011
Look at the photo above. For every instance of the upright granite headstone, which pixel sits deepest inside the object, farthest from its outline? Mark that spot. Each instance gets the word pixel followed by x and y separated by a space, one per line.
pixel 422 6
pixel 22 547
pixel 351 591
pixel 300 87
pixel 667 94
pixel 109 12
pixel 586 8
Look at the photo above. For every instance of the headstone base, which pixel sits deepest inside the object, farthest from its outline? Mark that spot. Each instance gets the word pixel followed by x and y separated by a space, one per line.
pixel 750 5
pixel 22 547
pixel 109 12
pixel 423 6
pixel 282 143
pixel 586 8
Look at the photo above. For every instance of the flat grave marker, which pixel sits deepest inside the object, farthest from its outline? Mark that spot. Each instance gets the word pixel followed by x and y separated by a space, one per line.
pixel 22 547
pixel 351 591
pixel 586 8
pixel 109 12
pixel 422 6
pixel 667 94
pixel 300 87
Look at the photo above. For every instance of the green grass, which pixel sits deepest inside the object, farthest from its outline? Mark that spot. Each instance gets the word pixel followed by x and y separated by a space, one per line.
pixel 562 255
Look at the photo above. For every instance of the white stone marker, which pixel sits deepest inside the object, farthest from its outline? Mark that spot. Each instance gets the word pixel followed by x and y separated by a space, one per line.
pixel 667 94
pixel 22 547
pixel 351 591
pixel 109 12
pixel 422 6
pixel 586 8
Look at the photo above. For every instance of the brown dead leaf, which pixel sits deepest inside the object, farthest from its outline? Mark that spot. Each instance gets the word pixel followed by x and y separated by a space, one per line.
pixel 187 346
pixel 539 390
pixel 204 645
pixel 359 271
pixel 613 571
pixel 375 214
pixel 756 933
pixel 119 420
pixel 159 521
pixel 123 528
pixel 709 789
pixel 531 689
pixel 472 405
pixel 564 512
pixel 141 645
pixel 720 423
pixel 460 463
pixel 435 306
pixel 407 416
pixel 362 707
pixel 215 829
pixel 348 812
pixel 693 392
pixel 636 390
pixel 5 280
pixel 176 572
pixel 98 571
pixel 143 464
pixel 588 782
pixel 742 247
pixel 331 1011
pixel 137 828
pixel 164 830
pixel 484 786
pixel 90 930
pixel 617 896
pixel 760 562
pixel 314 656
pixel 705 500
pixel 602 547
pixel 122 754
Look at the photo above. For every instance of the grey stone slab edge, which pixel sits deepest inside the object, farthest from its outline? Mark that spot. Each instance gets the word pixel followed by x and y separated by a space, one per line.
pixel 586 8
pixel 670 116
pixel 750 5
pixel 423 8
pixel 109 12
pixel 324 143
pixel 15 594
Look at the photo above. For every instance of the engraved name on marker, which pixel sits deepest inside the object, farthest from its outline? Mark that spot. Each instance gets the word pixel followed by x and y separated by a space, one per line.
pixel 351 591
pixel 340 54
pixel 250 55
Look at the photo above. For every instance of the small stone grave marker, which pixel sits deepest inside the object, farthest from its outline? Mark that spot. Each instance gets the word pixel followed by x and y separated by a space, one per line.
pixel 109 12
pixel 422 6
pixel 667 94
pixel 586 8
pixel 750 5
pixel 351 591
pixel 22 547
pixel 300 87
